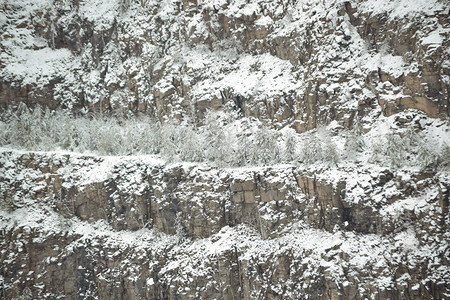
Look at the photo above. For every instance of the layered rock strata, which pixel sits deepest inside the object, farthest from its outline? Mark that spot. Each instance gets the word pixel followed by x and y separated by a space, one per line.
pixel 289 63
pixel 85 227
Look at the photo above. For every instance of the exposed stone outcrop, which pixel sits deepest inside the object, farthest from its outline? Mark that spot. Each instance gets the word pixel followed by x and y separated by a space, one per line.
pixel 134 228
pixel 78 226
pixel 176 60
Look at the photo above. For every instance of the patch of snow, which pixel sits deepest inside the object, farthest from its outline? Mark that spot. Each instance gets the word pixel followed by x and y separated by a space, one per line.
pixel 393 65
pixel 102 13
pixel 32 65
pixel 436 36
pixel 402 8
pixel 264 21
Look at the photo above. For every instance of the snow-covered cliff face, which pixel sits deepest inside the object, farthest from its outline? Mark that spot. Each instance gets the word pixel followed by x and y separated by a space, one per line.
pixel 348 101
pixel 82 227
pixel 296 63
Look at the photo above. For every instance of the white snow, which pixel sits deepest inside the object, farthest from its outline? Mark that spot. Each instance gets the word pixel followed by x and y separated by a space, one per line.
pixel 402 8
pixel 264 21
pixel 31 66
pixel 101 13
pixel 437 36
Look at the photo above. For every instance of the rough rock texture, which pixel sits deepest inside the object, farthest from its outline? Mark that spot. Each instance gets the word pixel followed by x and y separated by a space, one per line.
pixel 86 227
pixel 83 227
pixel 296 63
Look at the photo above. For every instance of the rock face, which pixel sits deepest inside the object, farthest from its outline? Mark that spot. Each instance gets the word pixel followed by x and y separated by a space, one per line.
pixel 300 64
pixel 86 227
pixel 83 227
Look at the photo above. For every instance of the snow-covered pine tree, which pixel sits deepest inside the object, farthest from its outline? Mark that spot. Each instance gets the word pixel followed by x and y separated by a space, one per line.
pixel 212 136
pixel 411 138
pixel 153 137
pixel 427 159
pixel 37 128
pixel 330 154
pixel 311 150
pixel 376 152
pixel 169 142
pixel 266 149
pixel 219 144
pixel 290 145
pixel 48 131
pixel 354 141
pixel 132 134
pixel 191 146
pixel 21 128
pixel 444 157
pixel 244 150
pixel 395 150
pixel 3 134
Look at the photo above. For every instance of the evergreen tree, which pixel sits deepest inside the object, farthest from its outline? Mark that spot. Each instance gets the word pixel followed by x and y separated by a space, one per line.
pixel 48 131
pixel 426 157
pixel 444 159
pixel 395 150
pixel 244 151
pixel 191 147
pixel 330 153
pixel 377 152
pixel 311 150
pixel 266 147
pixel 169 142
pixel 154 139
pixel 22 126
pixel 290 147
pixel 354 141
